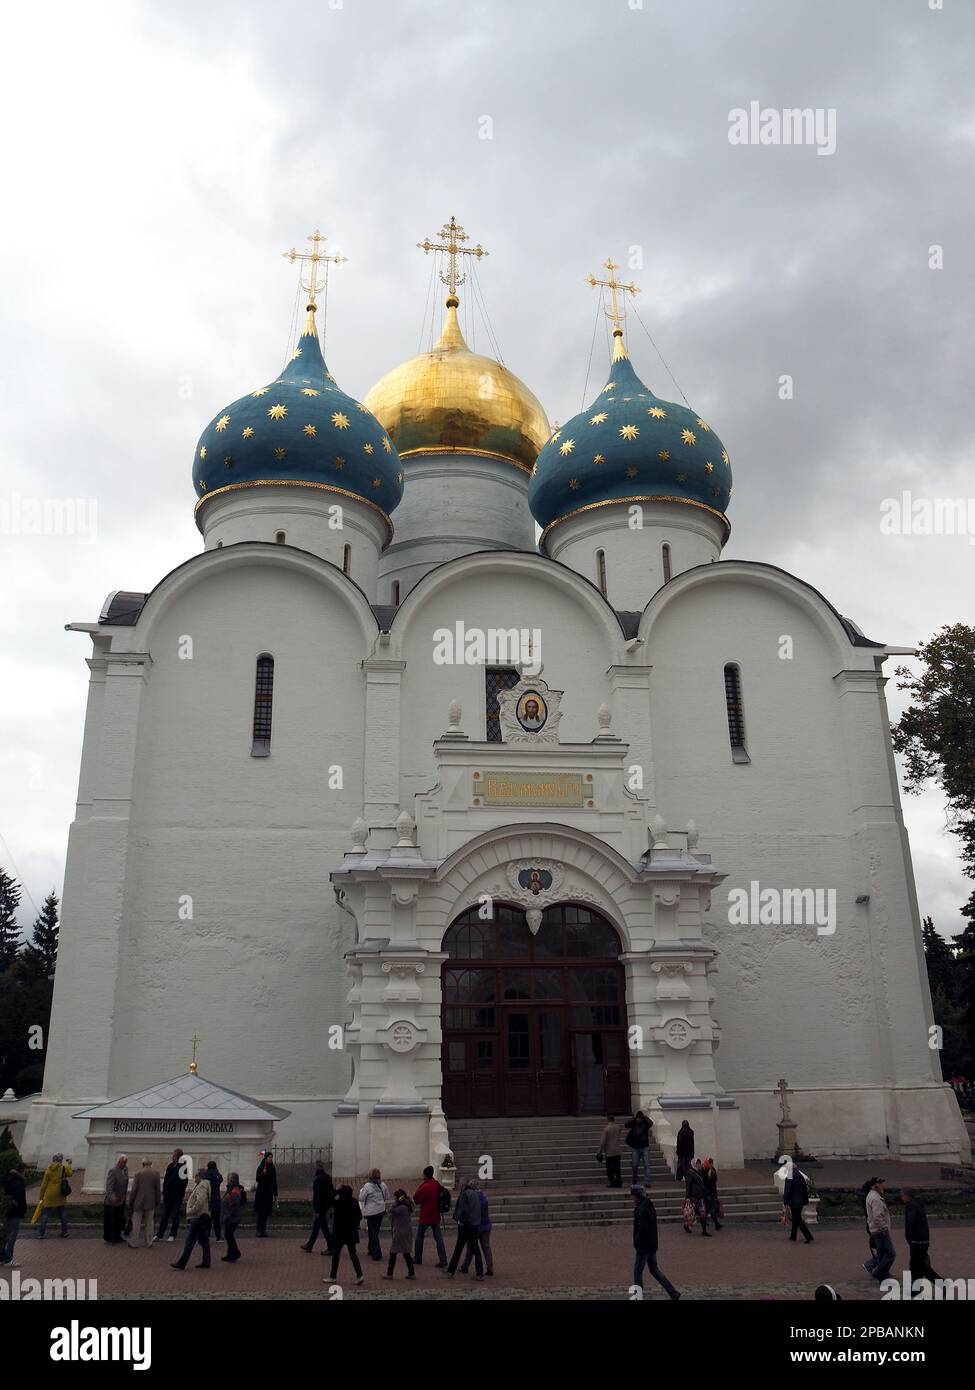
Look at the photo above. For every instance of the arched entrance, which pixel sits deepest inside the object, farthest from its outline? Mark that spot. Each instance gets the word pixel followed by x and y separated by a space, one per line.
pixel 534 1024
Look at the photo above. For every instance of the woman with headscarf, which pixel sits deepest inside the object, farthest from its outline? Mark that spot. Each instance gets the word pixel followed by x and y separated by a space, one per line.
pixel 795 1195
pixel 712 1203
pixel 695 1202
pixel 265 1192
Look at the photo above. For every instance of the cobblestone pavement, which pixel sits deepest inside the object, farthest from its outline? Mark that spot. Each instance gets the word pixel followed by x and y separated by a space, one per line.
pixel 753 1262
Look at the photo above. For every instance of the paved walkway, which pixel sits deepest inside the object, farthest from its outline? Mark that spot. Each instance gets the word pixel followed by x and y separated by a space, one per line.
pixel 752 1262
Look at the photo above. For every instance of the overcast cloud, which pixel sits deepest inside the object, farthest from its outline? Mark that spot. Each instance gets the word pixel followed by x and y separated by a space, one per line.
pixel 159 157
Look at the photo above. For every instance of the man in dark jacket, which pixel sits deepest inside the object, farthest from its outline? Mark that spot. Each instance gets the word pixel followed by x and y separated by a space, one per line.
pixel 467 1214
pixel 175 1181
pixel 15 1204
pixel 917 1235
pixel 645 1241
pixel 214 1177
pixel 638 1139
pixel 322 1200
pixel 685 1150
pixel 795 1195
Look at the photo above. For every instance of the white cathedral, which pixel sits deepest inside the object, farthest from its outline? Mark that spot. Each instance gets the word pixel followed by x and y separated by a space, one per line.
pixel 412 817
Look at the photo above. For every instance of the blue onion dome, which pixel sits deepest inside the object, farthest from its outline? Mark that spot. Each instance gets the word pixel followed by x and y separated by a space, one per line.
pixel 300 431
pixel 630 447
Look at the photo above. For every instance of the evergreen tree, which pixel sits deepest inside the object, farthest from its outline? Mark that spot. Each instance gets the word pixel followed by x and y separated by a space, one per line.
pixel 39 958
pixel 9 931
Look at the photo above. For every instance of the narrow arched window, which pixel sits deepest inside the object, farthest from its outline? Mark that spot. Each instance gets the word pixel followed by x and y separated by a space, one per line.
pixel 396 592
pixel 279 538
pixel 665 552
pixel 601 570
pixel 263 695
pixel 736 713
pixel 347 559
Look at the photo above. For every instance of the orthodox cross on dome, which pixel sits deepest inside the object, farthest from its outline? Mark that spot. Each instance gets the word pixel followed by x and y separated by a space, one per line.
pixel 196 1042
pixel 617 310
pixel 453 235
pixel 314 258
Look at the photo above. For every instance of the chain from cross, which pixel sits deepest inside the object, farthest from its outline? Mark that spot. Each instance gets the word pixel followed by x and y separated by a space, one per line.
pixel 314 258
pixel 616 312
pixel 453 235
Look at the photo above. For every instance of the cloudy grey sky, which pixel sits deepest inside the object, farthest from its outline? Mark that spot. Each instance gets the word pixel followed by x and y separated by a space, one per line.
pixel 158 157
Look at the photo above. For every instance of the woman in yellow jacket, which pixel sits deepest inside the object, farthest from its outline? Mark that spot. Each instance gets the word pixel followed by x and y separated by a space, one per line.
pixel 52 1197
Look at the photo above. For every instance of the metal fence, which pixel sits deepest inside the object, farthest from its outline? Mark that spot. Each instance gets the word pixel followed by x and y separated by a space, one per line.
pixel 302 1155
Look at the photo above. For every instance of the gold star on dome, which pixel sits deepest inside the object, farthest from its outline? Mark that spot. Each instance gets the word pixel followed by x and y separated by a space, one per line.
pixel 399 477
pixel 599 418
pixel 308 391
pixel 296 353
pixel 688 437
pixel 222 423
pixel 629 432
pixel 567 447
pixel 377 482
pixel 656 413
pixel 631 472
pixel 367 448
pixel 277 412
pixel 362 408
pixel 724 456
pixel 339 463
pixel 703 426
pixel 310 430
pixel 534 468
pixel 330 377
pixel 228 461
pixel 555 436
pixel 599 458
pixel 279 454
pixel 388 448
pixel 709 467
pixel 247 433
pixel 610 387
pixel 682 477
pixel 203 487
pixel 573 483
pixel 203 451
pixel 340 421
pixel 664 455
pixel 262 392
pixel 715 492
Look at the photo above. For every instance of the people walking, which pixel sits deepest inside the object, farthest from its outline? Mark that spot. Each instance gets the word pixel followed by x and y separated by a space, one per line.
pixel 197 1223
pixel 15 1209
pixel 322 1201
pixel 712 1202
pixel 174 1184
pixel 401 1232
pixel 265 1192
pixel 685 1150
pixel 638 1139
pixel 374 1200
pixel 795 1195
pixel 231 1211
pixel 467 1214
pixel 878 1224
pixel 917 1235
pixel 645 1241
pixel 144 1198
pixel 346 1220
pixel 610 1146
pixel 53 1196
pixel 483 1238
pixel 429 1198
pixel 214 1177
pixel 695 1201
pixel 116 1186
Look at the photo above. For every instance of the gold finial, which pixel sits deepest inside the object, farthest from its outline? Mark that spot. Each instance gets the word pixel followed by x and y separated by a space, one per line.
pixel 315 258
pixel 453 235
pixel 617 310
pixel 193 1067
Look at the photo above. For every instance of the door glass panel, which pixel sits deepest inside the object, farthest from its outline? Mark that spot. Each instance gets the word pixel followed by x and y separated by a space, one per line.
pixel 550 1041
pixel 456 1055
pixel 485 1053
pixel 613 1049
pixel 519 1044
pixel 589 1071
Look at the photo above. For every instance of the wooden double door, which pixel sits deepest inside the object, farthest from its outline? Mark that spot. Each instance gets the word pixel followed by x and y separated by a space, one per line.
pixel 534 1025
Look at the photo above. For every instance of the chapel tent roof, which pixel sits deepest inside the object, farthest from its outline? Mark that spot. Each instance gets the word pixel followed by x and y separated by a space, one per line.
pixel 189 1097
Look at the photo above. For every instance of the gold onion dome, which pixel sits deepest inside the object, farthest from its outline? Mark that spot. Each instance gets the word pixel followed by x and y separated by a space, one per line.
pixel 451 400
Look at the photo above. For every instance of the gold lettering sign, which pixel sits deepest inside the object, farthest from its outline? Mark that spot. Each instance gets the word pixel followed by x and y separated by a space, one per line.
pixel 531 789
